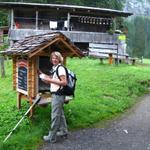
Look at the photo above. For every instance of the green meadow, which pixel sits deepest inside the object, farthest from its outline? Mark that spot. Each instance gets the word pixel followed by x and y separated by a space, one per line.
pixel 103 91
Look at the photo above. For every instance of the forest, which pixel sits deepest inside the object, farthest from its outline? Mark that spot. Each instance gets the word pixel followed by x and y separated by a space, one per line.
pixel 116 4
pixel 138 36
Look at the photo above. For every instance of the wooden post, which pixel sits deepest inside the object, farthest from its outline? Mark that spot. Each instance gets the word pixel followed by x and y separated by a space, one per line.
pixel 19 100
pixel 34 74
pixel 12 19
pixel 2 66
pixel 114 24
pixel 101 60
pixel 110 59
pixel 14 76
pixel 127 59
pixel 133 61
pixel 12 24
pixel 31 111
pixel 36 23
pixel 65 60
pixel 68 22
pixel 29 78
pixel 117 55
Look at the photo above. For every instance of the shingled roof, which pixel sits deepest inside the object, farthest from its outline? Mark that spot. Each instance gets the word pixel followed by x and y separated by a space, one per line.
pixel 32 45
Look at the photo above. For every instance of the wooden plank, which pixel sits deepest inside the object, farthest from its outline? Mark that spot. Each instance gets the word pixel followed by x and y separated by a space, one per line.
pixel 98 55
pixel 103 46
pixel 106 51
pixel 105 55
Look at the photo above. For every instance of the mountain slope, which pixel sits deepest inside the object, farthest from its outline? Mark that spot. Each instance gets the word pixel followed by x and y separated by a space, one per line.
pixel 138 7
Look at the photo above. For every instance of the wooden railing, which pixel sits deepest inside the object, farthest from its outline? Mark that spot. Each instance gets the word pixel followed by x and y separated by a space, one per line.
pixel 74 36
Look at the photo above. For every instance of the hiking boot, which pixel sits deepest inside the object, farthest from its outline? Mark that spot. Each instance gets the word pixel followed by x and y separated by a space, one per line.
pixel 47 138
pixel 62 134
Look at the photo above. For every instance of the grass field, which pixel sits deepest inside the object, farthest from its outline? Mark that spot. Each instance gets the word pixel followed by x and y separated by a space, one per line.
pixel 103 91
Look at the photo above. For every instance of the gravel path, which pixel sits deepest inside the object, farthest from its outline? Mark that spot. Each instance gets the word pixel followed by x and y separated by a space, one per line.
pixel 131 131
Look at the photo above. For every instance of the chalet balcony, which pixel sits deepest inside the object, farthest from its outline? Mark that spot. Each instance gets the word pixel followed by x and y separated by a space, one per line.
pixel 74 36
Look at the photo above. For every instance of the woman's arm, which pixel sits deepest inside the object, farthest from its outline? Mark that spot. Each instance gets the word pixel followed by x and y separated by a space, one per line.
pixel 61 82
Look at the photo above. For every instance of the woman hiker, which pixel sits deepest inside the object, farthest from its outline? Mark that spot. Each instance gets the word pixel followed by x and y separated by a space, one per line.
pixel 58 121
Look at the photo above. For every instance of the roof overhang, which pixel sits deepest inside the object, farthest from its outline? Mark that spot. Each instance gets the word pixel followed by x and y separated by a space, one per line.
pixel 33 45
pixel 68 8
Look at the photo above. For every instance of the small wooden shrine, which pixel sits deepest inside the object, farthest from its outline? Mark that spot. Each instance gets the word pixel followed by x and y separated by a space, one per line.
pixel 31 54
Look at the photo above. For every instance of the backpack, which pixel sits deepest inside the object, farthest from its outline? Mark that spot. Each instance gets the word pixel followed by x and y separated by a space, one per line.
pixel 69 89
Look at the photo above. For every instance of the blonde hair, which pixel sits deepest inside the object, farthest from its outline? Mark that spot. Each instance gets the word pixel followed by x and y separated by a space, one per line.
pixel 58 55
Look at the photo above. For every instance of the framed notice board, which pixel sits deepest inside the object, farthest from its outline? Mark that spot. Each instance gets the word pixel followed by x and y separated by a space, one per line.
pixel 22 71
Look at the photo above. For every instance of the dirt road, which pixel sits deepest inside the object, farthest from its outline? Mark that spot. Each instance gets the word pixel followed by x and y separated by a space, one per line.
pixel 131 131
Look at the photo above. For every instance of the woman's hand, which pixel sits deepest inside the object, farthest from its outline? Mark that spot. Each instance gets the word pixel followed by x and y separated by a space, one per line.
pixel 45 78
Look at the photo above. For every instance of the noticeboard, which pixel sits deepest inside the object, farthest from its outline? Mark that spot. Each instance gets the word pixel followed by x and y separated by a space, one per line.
pixel 22 76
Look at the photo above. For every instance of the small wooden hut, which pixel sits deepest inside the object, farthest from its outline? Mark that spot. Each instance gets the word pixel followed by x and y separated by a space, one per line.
pixel 31 54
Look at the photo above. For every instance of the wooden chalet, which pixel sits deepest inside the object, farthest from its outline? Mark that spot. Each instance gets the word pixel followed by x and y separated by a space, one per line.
pixel 30 55
pixel 83 25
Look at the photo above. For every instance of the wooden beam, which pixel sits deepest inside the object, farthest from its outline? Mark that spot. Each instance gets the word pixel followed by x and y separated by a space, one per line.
pixel 65 53
pixel 39 50
pixel 74 51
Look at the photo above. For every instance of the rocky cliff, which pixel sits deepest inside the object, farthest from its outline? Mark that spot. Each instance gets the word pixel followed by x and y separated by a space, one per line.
pixel 138 7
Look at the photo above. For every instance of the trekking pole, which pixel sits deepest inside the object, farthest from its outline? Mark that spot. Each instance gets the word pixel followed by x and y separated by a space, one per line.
pixel 35 102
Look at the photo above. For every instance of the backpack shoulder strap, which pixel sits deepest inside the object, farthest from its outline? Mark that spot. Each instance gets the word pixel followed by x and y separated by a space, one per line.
pixel 58 73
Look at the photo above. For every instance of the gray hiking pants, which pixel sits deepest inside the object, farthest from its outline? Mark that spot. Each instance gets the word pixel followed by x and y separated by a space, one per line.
pixel 58 121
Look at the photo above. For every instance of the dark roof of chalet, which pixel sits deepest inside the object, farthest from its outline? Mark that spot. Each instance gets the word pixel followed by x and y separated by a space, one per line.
pixel 69 8
pixel 30 45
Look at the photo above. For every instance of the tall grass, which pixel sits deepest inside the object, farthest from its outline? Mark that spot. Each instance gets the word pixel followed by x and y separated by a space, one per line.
pixel 102 92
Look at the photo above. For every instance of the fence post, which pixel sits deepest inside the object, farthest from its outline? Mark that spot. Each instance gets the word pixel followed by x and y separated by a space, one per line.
pixel 2 66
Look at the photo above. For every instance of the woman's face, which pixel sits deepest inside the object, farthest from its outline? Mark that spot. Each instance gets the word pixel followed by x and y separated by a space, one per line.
pixel 55 60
